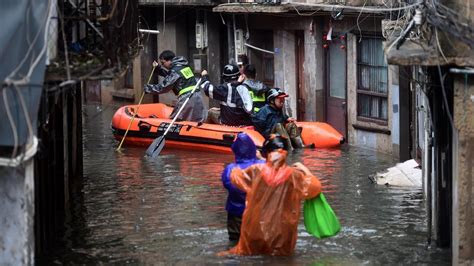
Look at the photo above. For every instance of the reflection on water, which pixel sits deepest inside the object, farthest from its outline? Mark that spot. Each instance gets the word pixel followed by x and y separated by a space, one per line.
pixel 133 209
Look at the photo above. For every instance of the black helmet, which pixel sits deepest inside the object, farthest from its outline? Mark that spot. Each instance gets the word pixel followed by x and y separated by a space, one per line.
pixel 273 93
pixel 274 142
pixel 231 72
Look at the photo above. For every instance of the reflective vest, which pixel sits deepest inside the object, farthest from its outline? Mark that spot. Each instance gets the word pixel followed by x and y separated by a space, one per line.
pixel 258 100
pixel 187 80
pixel 231 104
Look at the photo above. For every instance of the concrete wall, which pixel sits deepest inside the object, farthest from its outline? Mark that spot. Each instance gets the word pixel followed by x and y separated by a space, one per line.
pixel 369 139
pixel 169 40
pixel 285 62
pixel 463 176
pixel 17 212
pixel 314 70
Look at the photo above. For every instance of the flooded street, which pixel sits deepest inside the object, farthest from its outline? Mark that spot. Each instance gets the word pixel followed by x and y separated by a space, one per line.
pixel 170 210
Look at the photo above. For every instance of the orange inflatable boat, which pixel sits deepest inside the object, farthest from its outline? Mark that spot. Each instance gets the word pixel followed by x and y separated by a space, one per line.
pixel 152 120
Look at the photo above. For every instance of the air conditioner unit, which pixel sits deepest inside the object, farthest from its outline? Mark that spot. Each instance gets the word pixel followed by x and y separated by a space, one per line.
pixel 239 42
pixel 199 35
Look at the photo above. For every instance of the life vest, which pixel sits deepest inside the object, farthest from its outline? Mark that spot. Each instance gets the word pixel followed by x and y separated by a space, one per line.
pixel 258 100
pixel 187 82
pixel 258 97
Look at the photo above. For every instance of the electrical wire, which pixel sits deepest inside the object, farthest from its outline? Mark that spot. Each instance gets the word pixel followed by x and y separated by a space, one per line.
pixel 10 78
pixel 32 137
pixel 356 8
pixel 124 16
pixel 402 35
pixel 12 122
pixel 66 54
pixel 357 22
pixel 439 46
pixel 445 100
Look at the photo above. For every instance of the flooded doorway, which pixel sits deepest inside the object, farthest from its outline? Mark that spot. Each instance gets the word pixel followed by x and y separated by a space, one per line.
pixel 336 85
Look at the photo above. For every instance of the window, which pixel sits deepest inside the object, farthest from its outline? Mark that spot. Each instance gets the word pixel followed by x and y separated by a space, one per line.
pixel 372 87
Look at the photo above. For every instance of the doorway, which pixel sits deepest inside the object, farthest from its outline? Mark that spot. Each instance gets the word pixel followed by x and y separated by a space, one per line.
pixel 336 84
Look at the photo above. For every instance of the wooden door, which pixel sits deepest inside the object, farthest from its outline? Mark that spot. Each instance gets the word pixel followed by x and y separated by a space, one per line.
pixel 336 92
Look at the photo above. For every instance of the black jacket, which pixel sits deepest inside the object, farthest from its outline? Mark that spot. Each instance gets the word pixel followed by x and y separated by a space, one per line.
pixel 235 102
pixel 178 78
pixel 266 119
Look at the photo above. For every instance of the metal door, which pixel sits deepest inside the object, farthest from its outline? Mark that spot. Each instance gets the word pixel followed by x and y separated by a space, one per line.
pixel 336 108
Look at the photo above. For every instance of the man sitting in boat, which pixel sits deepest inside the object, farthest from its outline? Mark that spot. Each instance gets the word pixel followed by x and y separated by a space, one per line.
pixel 235 100
pixel 179 77
pixel 271 119
pixel 256 88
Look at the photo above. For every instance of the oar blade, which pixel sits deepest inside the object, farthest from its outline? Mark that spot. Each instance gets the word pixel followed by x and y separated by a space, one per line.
pixel 155 147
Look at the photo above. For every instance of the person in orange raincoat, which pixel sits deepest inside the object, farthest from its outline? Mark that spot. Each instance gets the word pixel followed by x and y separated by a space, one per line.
pixel 275 191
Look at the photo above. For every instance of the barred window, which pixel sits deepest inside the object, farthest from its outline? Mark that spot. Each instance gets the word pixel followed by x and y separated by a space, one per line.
pixel 372 87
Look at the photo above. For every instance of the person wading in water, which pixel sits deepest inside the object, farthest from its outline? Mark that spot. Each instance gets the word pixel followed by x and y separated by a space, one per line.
pixel 275 191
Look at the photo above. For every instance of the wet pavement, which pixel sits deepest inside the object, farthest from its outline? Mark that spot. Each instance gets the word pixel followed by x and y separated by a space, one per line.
pixel 170 210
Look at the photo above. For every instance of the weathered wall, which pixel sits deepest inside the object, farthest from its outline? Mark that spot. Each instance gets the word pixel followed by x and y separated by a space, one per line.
pixel 369 139
pixel 214 56
pixel 285 62
pixel 314 71
pixel 17 211
pixel 463 183
pixel 168 39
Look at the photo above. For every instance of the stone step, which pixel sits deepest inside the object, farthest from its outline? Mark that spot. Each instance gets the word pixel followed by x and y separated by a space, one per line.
pixel 126 94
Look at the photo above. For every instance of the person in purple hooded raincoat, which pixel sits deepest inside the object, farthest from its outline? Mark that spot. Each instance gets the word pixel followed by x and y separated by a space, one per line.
pixel 245 155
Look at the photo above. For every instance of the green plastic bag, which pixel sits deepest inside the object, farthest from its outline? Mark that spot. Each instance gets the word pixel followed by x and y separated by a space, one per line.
pixel 319 218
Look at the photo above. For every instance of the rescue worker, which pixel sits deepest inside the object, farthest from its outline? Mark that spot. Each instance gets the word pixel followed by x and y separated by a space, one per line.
pixel 243 61
pixel 272 119
pixel 245 154
pixel 275 191
pixel 235 100
pixel 179 77
pixel 256 88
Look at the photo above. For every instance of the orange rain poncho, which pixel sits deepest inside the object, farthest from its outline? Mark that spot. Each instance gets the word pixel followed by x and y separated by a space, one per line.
pixel 274 194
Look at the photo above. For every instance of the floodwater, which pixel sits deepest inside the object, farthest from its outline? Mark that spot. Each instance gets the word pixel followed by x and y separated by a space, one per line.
pixel 170 210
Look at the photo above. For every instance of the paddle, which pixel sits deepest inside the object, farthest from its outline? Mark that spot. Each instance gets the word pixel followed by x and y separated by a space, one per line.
pixel 136 111
pixel 157 145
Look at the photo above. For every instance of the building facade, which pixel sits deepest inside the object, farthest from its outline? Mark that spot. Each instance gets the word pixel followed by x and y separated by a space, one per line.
pixel 329 60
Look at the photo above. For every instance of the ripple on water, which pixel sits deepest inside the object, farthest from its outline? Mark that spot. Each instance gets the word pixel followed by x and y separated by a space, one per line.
pixel 134 209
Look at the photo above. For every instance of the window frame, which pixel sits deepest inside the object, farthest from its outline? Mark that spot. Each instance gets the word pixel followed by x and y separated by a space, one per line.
pixel 371 93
